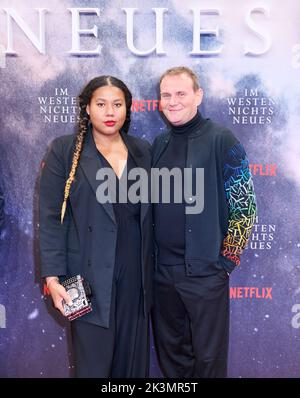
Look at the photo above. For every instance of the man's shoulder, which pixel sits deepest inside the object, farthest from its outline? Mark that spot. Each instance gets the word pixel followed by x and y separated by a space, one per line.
pixel 220 131
pixel 222 137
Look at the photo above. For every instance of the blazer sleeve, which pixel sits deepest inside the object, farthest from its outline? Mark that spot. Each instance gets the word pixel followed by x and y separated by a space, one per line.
pixel 241 204
pixel 53 234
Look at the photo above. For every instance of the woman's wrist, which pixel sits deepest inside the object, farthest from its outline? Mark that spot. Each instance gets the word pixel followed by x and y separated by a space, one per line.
pixel 50 279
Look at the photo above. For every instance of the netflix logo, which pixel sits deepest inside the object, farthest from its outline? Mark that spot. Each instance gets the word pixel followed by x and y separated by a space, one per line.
pixel 259 169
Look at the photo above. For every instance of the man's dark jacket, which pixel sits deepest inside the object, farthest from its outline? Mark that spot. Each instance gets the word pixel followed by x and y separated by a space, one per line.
pixel 217 236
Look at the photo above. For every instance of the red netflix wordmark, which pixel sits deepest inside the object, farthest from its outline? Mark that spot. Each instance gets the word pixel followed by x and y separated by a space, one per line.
pixel 145 105
pixel 263 170
pixel 251 292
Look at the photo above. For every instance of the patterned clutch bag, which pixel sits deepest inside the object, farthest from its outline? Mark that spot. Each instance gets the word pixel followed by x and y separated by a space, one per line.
pixel 80 292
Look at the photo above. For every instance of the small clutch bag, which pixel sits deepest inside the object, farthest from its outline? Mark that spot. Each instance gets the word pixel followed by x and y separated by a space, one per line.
pixel 80 292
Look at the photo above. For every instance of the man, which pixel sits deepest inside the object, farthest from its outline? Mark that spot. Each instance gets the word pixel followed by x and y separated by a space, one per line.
pixel 197 252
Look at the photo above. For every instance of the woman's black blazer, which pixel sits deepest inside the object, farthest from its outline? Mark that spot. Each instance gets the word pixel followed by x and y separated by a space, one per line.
pixel 86 241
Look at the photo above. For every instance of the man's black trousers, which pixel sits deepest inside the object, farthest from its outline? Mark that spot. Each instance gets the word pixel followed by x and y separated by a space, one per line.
pixel 191 322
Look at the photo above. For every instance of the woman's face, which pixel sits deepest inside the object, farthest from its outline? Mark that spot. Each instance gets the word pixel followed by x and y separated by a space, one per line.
pixel 107 110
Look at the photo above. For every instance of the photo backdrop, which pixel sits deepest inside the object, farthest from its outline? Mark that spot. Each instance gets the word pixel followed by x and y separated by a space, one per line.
pixel 247 57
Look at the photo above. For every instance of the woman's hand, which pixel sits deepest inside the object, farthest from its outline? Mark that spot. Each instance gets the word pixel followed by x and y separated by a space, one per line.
pixel 58 293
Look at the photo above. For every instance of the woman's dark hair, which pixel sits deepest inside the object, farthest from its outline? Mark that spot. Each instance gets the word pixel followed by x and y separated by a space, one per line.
pixel 84 100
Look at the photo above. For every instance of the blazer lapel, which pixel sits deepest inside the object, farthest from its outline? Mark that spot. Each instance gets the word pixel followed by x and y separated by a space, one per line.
pixel 161 148
pixel 143 162
pixel 90 162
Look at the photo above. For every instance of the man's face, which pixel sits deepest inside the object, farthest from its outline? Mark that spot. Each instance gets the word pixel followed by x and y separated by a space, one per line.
pixel 179 100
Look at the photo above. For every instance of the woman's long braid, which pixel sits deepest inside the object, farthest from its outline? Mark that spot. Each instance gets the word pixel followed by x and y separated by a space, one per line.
pixel 83 127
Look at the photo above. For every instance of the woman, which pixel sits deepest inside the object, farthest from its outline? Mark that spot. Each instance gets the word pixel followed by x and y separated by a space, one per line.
pixel 108 244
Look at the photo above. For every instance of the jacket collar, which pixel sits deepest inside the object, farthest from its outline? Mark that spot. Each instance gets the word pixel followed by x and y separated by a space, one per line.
pixel 90 150
pixel 142 162
pixel 90 162
pixel 165 139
